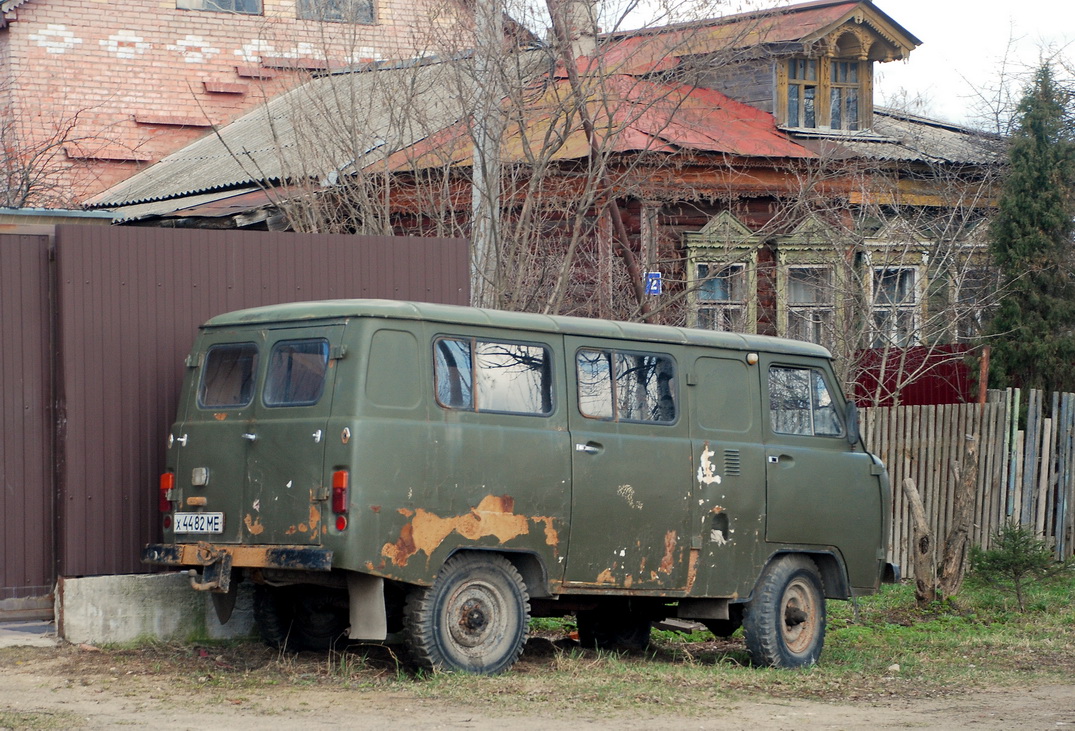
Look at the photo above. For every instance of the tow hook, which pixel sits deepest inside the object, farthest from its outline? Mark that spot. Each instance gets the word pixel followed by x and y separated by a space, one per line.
pixel 216 571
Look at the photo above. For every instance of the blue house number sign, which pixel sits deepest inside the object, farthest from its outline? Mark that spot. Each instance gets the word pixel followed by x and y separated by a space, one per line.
pixel 653 282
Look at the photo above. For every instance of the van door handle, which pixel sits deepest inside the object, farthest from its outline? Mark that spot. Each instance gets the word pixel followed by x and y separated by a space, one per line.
pixel 250 436
pixel 590 448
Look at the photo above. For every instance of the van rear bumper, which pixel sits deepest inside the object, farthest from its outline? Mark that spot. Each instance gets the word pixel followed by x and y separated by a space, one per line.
pixel 309 558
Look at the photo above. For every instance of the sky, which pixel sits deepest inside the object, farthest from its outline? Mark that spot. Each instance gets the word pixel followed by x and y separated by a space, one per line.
pixel 964 43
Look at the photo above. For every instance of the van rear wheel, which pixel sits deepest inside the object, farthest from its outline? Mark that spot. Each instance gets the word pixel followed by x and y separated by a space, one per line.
pixel 274 616
pixel 474 618
pixel 784 624
pixel 300 617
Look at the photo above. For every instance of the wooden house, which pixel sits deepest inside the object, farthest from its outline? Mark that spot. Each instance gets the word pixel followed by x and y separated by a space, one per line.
pixel 741 158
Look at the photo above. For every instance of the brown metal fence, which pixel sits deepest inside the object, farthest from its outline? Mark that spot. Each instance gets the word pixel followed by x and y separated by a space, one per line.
pixel 127 304
pixel 27 554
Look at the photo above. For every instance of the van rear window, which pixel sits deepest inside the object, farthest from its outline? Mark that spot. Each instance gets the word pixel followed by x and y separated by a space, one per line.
pixel 297 370
pixel 487 375
pixel 622 386
pixel 228 376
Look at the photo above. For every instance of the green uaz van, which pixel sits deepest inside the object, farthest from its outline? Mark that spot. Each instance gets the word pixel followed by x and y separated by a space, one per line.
pixel 436 474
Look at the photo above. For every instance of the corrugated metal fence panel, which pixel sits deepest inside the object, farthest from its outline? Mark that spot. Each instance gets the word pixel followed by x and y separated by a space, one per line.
pixel 130 301
pixel 26 537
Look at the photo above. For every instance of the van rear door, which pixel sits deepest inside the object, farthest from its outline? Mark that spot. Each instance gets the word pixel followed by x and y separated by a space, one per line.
pixel 209 452
pixel 286 482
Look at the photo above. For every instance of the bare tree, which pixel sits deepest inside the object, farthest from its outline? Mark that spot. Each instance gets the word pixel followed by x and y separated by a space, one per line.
pixel 35 169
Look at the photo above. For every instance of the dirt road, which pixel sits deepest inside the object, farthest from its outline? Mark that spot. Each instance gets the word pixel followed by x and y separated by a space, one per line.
pixel 70 687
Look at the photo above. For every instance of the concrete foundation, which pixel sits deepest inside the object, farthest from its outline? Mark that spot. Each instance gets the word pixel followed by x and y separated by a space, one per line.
pixel 137 608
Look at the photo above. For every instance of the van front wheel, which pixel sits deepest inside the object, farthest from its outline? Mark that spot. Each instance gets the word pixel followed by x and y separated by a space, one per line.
pixel 784 624
pixel 474 618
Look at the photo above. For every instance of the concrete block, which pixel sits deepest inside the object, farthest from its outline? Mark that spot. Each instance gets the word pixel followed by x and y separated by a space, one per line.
pixel 129 609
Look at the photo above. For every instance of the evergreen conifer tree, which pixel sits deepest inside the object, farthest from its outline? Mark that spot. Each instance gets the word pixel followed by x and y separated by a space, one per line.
pixel 1032 333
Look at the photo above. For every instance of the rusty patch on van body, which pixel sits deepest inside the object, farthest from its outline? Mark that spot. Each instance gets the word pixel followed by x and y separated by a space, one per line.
pixel 552 536
pixel 220 417
pixel 253 525
pixel 668 561
pixel 494 516
pixel 692 567
pixel 605 577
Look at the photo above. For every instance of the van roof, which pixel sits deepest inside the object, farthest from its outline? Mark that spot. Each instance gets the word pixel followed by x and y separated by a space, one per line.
pixel 309 312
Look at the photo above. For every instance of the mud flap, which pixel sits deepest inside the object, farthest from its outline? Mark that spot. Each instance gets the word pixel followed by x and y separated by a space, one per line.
pixel 369 620
pixel 224 603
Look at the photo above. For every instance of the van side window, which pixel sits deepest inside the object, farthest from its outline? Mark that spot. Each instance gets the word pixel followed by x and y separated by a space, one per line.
pixel 626 386
pixel 228 376
pixel 296 375
pixel 800 403
pixel 487 375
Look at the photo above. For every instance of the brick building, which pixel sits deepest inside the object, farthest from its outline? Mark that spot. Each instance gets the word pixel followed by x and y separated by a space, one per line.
pixel 92 92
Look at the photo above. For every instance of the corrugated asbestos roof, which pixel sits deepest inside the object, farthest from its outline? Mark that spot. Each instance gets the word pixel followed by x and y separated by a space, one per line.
pixel 365 115
pixel 900 137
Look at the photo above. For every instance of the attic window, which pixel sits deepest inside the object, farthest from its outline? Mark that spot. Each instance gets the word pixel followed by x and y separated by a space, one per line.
pixel 802 92
pixel 831 93
pixel 337 11
pixel 243 7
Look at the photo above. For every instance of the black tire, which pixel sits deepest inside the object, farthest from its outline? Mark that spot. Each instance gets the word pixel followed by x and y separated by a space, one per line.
pixel 607 629
pixel 474 618
pixel 726 627
pixel 274 616
pixel 784 624
pixel 321 618
pixel 300 617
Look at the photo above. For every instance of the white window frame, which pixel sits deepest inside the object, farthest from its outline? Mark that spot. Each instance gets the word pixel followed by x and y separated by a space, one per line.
pixel 358 12
pixel 971 310
pixel 886 317
pixel 819 316
pixel 222 6
pixel 730 314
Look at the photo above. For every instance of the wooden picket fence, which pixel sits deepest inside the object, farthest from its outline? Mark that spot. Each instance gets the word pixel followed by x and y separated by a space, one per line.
pixel 1024 474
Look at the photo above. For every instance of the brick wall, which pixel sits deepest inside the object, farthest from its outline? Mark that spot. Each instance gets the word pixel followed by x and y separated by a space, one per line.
pixel 135 81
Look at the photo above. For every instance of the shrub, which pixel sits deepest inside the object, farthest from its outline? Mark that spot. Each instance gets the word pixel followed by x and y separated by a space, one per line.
pixel 1018 560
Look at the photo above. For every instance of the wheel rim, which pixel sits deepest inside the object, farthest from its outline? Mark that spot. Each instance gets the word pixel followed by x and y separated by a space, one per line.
pixel 798 615
pixel 475 618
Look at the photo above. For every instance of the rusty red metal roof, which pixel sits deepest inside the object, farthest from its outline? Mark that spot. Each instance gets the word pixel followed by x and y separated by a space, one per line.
pixel 630 115
pixel 802 24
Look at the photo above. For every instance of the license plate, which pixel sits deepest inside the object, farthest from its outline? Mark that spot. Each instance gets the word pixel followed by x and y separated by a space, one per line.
pixel 199 522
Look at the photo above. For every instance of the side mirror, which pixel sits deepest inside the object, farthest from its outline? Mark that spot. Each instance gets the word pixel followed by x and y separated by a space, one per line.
pixel 851 418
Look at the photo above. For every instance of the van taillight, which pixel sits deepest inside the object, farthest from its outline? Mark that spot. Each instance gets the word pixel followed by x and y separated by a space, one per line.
pixel 341 482
pixel 166 485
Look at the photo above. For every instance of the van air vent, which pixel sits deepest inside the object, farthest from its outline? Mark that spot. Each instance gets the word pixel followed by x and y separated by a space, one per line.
pixel 731 461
